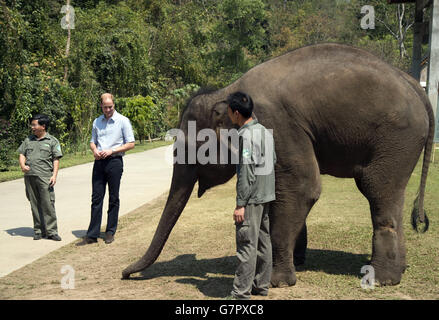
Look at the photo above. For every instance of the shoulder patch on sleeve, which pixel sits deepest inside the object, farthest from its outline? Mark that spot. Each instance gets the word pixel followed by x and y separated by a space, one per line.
pixel 246 153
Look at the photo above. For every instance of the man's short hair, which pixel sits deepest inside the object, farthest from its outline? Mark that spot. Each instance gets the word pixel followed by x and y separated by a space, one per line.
pixel 106 96
pixel 241 102
pixel 43 120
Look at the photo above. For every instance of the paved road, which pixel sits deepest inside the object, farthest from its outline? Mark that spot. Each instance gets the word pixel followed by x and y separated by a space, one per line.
pixel 146 176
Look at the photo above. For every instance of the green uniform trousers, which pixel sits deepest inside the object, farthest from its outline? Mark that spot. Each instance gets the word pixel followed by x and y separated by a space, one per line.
pixel 253 246
pixel 42 201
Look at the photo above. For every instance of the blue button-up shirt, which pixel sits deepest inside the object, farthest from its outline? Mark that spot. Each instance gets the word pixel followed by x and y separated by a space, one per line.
pixel 112 133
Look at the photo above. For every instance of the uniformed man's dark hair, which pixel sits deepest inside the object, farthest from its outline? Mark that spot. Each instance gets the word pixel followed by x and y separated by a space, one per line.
pixel 241 102
pixel 43 120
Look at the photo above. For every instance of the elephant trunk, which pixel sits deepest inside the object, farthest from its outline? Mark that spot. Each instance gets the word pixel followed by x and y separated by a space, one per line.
pixel 183 181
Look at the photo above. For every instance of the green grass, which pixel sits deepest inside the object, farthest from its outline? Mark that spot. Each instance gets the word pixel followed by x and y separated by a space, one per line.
pixel 73 159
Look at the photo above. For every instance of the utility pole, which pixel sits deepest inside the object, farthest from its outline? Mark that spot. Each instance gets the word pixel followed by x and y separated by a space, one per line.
pixel 68 23
pixel 418 35
pixel 433 63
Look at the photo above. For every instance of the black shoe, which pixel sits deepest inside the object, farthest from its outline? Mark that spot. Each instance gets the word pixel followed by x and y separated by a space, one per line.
pixel 86 240
pixel 256 292
pixel 37 236
pixel 54 237
pixel 109 237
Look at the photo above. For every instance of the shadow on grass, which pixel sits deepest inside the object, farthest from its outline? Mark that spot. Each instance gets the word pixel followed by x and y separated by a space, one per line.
pixel 197 273
pixel 214 277
pixel 334 262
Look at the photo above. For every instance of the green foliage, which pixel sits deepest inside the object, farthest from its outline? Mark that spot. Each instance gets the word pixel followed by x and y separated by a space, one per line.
pixel 239 36
pixel 157 52
pixel 111 47
pixel 83 111
pixel 176 102
pixel 6 141
pixel 242 24
pixel 144 114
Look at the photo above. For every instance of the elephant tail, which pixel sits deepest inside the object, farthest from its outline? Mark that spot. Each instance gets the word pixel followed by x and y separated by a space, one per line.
pixel 418 213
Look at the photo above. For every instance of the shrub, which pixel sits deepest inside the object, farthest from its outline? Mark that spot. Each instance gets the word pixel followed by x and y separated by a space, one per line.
pixel 144 114
pixel 6 145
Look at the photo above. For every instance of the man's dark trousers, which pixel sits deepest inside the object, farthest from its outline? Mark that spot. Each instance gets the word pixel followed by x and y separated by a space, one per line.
pixel 105 171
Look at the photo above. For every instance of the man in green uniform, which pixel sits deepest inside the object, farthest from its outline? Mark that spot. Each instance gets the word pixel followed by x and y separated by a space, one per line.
pixel 39 160
pixel 255 190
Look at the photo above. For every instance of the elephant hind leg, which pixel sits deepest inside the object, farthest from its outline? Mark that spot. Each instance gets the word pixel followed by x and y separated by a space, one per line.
pixel 386 199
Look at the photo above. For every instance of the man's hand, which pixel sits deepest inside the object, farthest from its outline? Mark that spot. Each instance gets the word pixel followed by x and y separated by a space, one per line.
pixel 52 181
pixel 97 154
pixel 25 169
pixel 106 153
pixel 238 214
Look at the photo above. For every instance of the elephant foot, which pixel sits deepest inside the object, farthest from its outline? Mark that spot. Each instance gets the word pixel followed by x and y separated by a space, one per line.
pixel 281 279
pixel 389 276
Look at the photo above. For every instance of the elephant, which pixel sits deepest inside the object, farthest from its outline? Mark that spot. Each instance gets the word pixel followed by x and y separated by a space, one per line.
pixel 334 109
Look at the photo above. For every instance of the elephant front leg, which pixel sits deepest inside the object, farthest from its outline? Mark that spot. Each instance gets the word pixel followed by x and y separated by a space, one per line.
pixel 283 242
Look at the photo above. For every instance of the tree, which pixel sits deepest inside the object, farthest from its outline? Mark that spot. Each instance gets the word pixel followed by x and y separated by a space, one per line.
pixel 143 113
pixel 395 20
pixel 399 25
pixel 239 33
pixel 5 145
pixel 111 46
pixel 163 49
pixel 176 102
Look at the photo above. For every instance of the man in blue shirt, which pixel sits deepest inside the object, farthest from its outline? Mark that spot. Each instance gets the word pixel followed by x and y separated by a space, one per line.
pixel 112 136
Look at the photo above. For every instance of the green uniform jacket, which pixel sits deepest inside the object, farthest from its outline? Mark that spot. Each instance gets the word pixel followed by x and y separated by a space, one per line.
pixel 255 171
pixel 40 154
